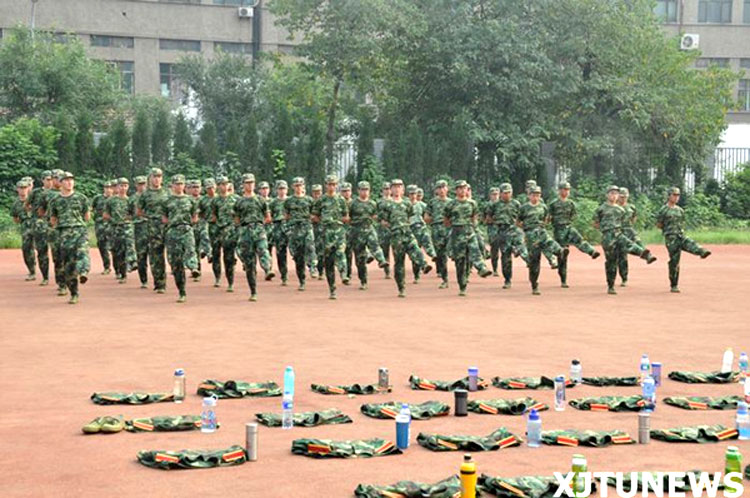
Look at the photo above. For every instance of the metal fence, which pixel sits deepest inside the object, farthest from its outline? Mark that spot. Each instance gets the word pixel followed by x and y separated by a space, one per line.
pixel 344 158
pixel 726 161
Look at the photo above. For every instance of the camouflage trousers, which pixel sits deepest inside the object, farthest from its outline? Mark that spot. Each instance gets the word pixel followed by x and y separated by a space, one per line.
pixel 403 242
pixel 140 235
pixel 384 239
pixel 318 235
pixel 215 253
pixel 507 240
pixel 202 242
pixel 27 249
pixel 302 247
pixel 124 256
pixel 180 244
pixel 622 263
pixel 440 240
pixel 280 240
pixel 465 252
pixel 566 235
pixel 539 242
pixel 348 251
pixel 74 255
pixel 675 245
pixel 422 235
pixel 253 247
pixel 334 257
pixel 225 245
pixel 156 252
pixel 103 242
pixel 617 246
pixel 363 240
pixel 482 243
pixel 41 244
pixel 54 244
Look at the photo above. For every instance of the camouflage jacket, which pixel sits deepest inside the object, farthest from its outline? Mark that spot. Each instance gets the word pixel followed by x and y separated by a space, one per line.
pixel 306 419
pixel 505 406
pixel 499 439
pixel 238 389
pixel 360 448
pixel 421 384
pixel 422 411
pixel 135 398
pixel 192 459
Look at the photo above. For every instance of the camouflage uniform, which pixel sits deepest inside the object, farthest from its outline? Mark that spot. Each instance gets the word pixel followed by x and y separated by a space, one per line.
pixel 447 488
pixel 507 238
pixel 306 419
pixel 72 234
pixel 280 232
pixel 531 486
pixel 492 230
pixel 26 222
pixel 41 228
pixel 331 209
pixel 251 212
pixel 695 434
pixel 672 223
pixel 225 238
pixel 499 439
pixel 318 235
pixel 363 236
pixel 360 448
pixel 192 459
pixel 200 227
pixel 460 216
pixel 102 228
pixel 349 249
pixel 340 389
pixel 420 231
pixel 54 237
pixel 140 235
pixel 440 233
pixel 179 210
pixel 301 238
pixel 151 205
pixel 121 214
pixel 384 235
pixel 533 219
pixel 205 211
pixel 628 229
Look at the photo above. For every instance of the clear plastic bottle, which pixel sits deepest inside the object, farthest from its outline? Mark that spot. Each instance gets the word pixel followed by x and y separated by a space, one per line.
pixel 208 415
pixel 534 429
pixel 576 371
pixel 743 421
pixel 727 362
pixel 473 378
pixel 645 368
pixel 649 393
pixel 560 393
pixel 178 391
pixel 289 382
pixel 403 426
pixel 287 412
pixel 742 363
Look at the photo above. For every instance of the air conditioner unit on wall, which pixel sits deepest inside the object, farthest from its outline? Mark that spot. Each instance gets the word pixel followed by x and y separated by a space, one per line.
pixel 690 42
pixel 245 12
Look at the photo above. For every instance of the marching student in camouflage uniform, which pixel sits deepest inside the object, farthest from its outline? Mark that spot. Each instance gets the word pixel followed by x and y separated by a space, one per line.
pixel 608 218
pixel 331 213
pixel 178 214
pixel 150 206
pixel 492 230
pixel 140 231
pixel 101 226
pixel 671 220
pixel 251 213
pixel 222 214
pixel 317 192
pixel 384 235
pixel 418 227
pixel 206 210
pixel 346 193
pixel 433 215
pixel 297 211
pixel 41 226
pixel 280 228
pixel 264 192
pixel 200 227
pixel 363 213
pixel 503 215
pixel 395 215
pixel 478 236
pixel 533 218
pixel 54 236
pixel 119 214
pixel 69 212
pixel 460 216
pixel 562 212
pixel 628 229
pixel 25 219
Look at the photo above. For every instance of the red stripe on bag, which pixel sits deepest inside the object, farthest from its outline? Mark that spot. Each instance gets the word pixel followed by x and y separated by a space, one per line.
pixel 233 455
pixel 163 457
pixel 143 425
pixel 426 386
pixel 508 441
pixel 335 390
pixel 388 445
pixel 388 412
pixel 597 407
pixel 567 441
pixel 696 405
pixel 318 448
pixel 516 385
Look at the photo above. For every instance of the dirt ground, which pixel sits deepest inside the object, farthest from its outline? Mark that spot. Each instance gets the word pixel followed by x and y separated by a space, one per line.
pixel 123 338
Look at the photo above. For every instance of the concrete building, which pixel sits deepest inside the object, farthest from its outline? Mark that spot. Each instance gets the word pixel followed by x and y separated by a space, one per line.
pixel 144 38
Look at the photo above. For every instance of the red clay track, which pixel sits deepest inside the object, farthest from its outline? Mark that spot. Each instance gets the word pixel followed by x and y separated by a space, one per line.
pixel 123 338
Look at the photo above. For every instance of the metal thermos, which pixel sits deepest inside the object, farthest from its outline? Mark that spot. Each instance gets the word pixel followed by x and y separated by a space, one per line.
pixel 644 427
pixel 461 397
pixel 251 441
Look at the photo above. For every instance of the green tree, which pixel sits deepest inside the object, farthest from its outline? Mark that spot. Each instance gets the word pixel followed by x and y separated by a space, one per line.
pixel 84 143
pixel 183 139
pixel 736 199
pixel 121 164
pixel 161 136
pixel 206 151
pixel 141 142
pixel 249 152
pixel 26 148
pixel 66 142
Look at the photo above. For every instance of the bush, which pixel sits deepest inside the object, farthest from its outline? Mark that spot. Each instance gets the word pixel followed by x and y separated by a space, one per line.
pixel 704 211
pixel 736 201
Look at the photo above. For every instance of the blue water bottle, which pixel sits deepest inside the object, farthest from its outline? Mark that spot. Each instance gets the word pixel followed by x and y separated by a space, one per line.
pixel 289 382
pixel 649 393
pixel 403 421
pixel 208 415
pixel 534 429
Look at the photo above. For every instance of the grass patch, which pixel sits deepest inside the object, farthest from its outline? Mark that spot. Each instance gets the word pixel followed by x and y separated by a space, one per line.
pixel 10 239
pixel 703 236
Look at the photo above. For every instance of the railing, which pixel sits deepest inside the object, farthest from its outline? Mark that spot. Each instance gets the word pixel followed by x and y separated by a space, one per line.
pixel 726 161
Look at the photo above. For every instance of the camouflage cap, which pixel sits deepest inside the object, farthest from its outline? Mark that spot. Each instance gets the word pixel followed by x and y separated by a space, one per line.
pixel 28 179
pixel 281 184
pixel 298 180
pixel 386 185
pixel 420 191
pixel 563 185
pixel 221 179
pixel 346 186
pixel 536 189
pixel 363 185
pixel 673 191
pixel 57 173
pixel 613 188
pixel 624 191
pixel 411 189
pixel 46 174
pixel 66 174
pixel 494 190
pixel 317 187
pixel 530 183
pixel 264 185
pixel 22 183
pixel 248 178
pixel 397 181
pixel 506 187
pixel 140 179
pixel 123 181
pixel 177 179
pixel 461 184
pixel 209 182
pixel 331 179
pixel 441 184
pixel 155 172
pixel 110 183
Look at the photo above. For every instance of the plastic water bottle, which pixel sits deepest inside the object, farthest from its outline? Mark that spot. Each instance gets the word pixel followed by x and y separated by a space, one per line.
pixel 728 361
pixel 468 477
pixel 178 392
pixel 473 378
pixel 743 366
pixel 645 369
pixel 287 412
pixel 560 393
pixel 649 393
pixel 208 415
pixel 403 423
pixel 534 429
pixel 575 371
pixel 743 421
pixel 289 382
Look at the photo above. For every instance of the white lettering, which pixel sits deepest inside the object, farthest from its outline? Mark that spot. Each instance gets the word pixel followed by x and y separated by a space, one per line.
pixel 564 484
pixel 655 482
pixel 733 486
pixel 603 476
pixel 621 485
pixel 676 480
pixel 704 482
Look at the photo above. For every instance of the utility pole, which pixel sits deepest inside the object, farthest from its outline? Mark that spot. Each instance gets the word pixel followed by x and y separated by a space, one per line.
pixel 33 17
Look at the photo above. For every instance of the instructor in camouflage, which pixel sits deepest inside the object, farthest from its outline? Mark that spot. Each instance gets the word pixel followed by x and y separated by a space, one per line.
pixel 101 226
pixel 364 238
pixel 178 214
pixel 533 219
pixel 331 213
pixel 150 207
pixel 297 211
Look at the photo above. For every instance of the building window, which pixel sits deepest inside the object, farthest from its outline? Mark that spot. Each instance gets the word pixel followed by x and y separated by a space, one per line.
pixel 666 10
pixel 715 11
pixel 746 12
pixel 112 41
pixel 127 75
pixel 744 95
pixel 237 3
pixel 184 45
pixel 712 61
pixel 170 85
pixel 234 47
pixel 745 63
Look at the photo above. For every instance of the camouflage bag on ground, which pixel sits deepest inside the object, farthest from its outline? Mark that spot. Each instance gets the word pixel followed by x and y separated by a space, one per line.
pixel 525 486
pixel 609 403
pixel 505 406
pixel 359 448
pixel 306 419
pixel 349 389
pixel 527 383
pixel 705 402
pixel 164 424
pixel 634 481
pixel 500 439
pixel 238 389
pixel 447 488
pixel 747 472
pixel 610 381
pixel 695 434
pixel 704 377
pixel 192 459
pixel 595 439
pixel 421 384
pixel 136 398
pixel 422 411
